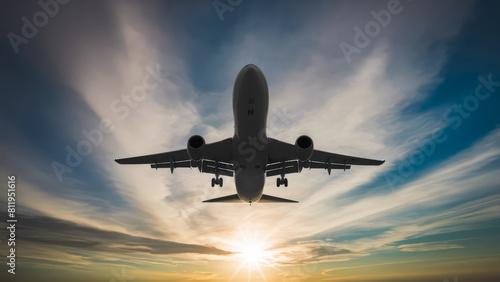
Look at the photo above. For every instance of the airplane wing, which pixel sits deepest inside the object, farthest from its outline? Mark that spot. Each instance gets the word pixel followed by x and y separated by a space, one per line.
pixel 220 151
pixel 180 155
pixel 325 157
pixel 282 157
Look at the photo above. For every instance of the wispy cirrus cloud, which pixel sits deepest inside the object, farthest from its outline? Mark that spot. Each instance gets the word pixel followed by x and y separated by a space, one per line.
pixel 430 246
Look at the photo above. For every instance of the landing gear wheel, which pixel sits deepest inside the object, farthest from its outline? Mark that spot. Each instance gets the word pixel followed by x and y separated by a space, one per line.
pixel 278 182
pixel 213 182
pixel 220 182
pixel 286 182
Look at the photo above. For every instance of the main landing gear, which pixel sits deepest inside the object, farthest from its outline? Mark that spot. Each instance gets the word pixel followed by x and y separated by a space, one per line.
pixel 281 181
pixel 217 181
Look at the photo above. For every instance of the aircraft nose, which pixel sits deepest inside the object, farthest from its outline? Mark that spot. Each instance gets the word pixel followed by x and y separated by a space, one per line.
pixel 250 80
pixel 250 74
pixel 251 69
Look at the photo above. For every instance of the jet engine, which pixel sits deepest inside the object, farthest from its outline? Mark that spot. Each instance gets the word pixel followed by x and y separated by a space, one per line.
pixel 196 147
pixel 304 148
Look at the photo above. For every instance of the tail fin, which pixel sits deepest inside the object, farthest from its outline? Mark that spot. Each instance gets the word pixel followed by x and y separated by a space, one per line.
pixel 235 199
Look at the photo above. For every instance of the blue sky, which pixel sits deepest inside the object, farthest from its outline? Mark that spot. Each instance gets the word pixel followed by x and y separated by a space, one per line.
pixel 408 95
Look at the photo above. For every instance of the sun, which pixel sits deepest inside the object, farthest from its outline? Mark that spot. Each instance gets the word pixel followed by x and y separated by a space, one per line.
pixel 252 253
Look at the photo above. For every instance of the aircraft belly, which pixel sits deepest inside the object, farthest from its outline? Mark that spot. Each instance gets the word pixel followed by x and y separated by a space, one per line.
pixel 250 107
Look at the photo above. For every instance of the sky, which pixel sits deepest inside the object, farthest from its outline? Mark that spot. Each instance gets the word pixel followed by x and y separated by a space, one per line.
pixel 416 83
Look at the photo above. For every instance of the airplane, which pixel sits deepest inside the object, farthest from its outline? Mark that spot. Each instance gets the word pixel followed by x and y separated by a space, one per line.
pixel 250 156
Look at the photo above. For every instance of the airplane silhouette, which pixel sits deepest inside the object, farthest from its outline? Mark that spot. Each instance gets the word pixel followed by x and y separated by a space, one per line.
pixel 250 156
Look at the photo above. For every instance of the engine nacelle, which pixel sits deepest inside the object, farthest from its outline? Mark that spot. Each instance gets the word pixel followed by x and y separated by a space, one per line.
pixel 304 147
pixel 196 147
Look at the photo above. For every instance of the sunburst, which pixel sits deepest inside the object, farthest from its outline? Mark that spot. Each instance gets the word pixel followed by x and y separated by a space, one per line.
pixel 253 254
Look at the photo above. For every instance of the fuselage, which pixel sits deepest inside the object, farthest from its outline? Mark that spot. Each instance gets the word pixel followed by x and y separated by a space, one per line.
pixel 250 108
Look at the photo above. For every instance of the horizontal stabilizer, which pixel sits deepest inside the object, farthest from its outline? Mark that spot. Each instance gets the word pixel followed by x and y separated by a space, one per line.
pixel 226 199
pixel 271 199
pixel 235 199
